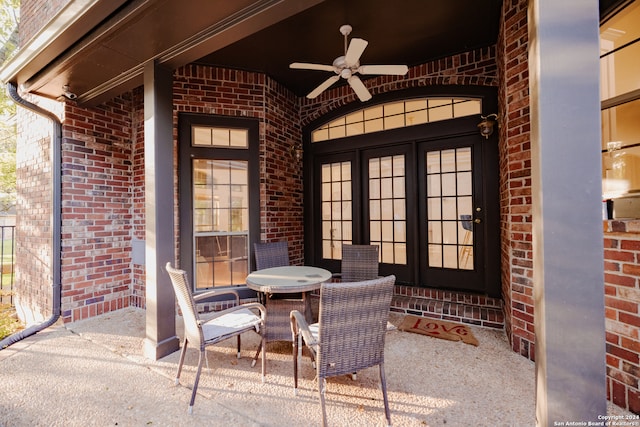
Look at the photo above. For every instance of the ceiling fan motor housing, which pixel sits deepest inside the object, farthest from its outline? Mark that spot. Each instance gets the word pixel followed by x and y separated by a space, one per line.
pixel 348 65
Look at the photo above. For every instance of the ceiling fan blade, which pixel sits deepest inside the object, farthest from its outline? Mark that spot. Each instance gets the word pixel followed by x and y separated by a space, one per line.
pixel 323 86
pixel 396 70
pixel 359 88
pixel 307 66
pixel 356 47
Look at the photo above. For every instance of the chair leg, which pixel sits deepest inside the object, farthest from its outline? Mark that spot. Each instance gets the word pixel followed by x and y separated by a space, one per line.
pixel 322 387
pixel 383 383
pixel 255 358
pixel 197 380
pixel 238 346
pixel 264 362
pixel 182 354
pixel 295 365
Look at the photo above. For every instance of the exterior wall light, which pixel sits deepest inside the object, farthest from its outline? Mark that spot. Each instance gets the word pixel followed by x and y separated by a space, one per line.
pixel 487 124
pixel 295 151
pixel 66 92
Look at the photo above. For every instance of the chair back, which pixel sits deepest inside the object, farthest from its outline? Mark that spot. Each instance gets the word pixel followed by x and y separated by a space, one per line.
pixel 186 303
pixel 352 325
pixel 359 262
pixel 271 254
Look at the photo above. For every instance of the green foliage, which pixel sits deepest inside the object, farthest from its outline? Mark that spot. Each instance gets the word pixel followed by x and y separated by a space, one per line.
pixel 8 321
pixel 9 16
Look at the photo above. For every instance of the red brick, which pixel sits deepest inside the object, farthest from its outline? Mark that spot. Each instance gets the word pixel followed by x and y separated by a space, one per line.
pixel 618 394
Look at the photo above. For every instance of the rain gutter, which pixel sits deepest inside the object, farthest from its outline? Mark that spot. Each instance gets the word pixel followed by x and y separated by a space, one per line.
pixel 56 217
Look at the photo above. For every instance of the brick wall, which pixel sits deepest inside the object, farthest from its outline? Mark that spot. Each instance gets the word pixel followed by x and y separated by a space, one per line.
pixel 622 312
pixel 207 90
pixel 96 209
pixel 515 178
pixel 35 14
pixel 33 281
pixel 474 68
pixel 137 188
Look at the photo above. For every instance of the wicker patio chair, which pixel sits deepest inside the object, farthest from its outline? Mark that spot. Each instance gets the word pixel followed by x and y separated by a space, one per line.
pixel 276 254
pixel 359 262
pixel 222 325
pixel 350 333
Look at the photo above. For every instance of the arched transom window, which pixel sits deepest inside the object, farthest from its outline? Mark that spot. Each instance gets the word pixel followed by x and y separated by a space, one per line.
pixel 397 114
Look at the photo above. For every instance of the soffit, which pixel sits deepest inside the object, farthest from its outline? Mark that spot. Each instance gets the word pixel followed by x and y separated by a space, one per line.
pixel 100 59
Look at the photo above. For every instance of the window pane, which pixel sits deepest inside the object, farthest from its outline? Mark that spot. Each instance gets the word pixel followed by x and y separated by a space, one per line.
pixel 448 160
pixel 387 207
pixel 450 224
pixel 395 115
pixel 374 188
pixel 220 137
pixel 416 105
pixel 450 254
pixel 375 125
pixel 435 256
pixel 201 136
pixel 433 162
pixel 320 135
pixel 619 70
pixel 448 184
pixel 433 186
pixel 238 138
pixel 220 261
pixel 449 208
pixel 621 155
pixel 417 117
pixel 434 208
pixel 373 113
pixel 467 107
pixel 336 208
pixel 386 188
pixel 463 159
pixel 355 129
pixel 464 183
pixel 440 113
pixel 337 132
pixel 435 232
pixel 393 122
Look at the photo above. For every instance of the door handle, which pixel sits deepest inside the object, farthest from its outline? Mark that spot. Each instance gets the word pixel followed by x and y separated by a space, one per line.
pixel 477 220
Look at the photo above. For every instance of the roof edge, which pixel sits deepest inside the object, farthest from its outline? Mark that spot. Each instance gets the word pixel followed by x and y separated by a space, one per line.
pixel 68 26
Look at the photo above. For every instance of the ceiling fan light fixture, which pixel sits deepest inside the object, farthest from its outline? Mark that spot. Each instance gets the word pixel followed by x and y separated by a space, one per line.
pixel 348 66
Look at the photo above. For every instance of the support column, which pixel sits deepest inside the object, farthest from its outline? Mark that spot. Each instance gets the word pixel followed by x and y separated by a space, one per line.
pixel 567 215
pixel 161 336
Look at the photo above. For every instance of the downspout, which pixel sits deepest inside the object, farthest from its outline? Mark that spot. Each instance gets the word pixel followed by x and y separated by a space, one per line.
pixel 56 145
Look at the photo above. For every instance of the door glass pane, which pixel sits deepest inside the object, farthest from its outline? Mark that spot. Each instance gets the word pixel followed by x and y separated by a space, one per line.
pixel 387 208
pixel 336 208
pixel 219 137
pixel 449 207
pixel 220 222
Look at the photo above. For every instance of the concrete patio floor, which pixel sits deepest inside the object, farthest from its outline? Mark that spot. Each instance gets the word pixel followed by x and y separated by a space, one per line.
pixel 92 373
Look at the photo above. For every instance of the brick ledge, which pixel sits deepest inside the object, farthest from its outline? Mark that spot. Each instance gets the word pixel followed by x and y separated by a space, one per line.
pixel 485 316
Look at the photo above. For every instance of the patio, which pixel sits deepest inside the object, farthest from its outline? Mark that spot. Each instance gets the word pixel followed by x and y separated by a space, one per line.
pixel 92 373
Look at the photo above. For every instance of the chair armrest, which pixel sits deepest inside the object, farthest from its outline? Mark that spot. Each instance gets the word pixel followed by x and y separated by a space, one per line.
pixel 249 305
pixel 217 292
pixel 299 325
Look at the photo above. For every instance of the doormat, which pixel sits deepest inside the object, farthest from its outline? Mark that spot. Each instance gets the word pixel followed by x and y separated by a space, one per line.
pixel 438 329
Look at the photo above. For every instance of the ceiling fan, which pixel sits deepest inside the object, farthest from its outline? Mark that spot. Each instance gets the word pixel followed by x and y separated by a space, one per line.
pixel 348 66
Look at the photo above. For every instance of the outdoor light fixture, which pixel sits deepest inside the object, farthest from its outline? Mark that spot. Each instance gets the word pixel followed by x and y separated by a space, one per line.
pixel 295 151
pixel 487 124
pixel 67 93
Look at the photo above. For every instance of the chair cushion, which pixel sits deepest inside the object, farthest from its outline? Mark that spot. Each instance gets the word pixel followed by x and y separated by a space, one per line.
pixel 312 341
pixel 230 323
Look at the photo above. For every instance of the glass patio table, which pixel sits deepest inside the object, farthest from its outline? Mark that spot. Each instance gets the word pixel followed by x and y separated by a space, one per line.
pixel 285 280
